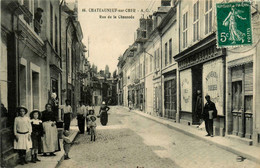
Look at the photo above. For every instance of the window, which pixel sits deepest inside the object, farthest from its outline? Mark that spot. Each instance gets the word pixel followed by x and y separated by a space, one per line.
pixel 208 16
pixel 196 21
pixel 29 5
pixel 56 34
pixel 51 23
pixel 158 58
pixel 151 64
pixel 141 70
pixel 155 55
pixel 185 30
pixel 69 65
pixel 146 66
pixel 170 51
pixel 166 55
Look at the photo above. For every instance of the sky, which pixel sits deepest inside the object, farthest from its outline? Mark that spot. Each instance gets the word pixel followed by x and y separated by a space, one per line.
pixel 109 38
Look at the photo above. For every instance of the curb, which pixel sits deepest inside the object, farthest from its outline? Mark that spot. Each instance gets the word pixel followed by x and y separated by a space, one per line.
pixel 222 146
pixel 74 136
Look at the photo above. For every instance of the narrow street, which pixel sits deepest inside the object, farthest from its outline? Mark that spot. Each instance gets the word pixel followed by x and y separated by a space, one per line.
pixel 130 140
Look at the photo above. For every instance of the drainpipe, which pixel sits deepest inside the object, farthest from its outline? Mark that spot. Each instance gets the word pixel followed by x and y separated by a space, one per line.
pixel 160 33
pixel 178 72
pixel 60 5
pixel 16 40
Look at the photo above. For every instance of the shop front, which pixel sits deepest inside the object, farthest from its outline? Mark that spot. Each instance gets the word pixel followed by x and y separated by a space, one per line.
pixel 170 97
pixel 140 96
pixel 201 71
pixel 240 97
pixel 131 95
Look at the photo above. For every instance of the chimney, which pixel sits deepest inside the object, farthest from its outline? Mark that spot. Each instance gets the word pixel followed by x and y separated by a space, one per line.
pixel 165 2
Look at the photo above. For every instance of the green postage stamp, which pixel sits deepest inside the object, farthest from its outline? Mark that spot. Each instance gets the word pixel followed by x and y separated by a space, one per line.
pixel 233 24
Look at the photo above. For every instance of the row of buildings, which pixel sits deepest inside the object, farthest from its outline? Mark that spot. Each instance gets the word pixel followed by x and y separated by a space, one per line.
pixel 104 88
pixel 175 54
pixel 41 53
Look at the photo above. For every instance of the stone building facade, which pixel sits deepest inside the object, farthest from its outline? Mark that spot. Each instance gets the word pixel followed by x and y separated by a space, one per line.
pixel 186 59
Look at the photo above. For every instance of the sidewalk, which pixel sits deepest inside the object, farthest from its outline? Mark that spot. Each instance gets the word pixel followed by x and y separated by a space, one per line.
pixel 54 161
pixel 240 149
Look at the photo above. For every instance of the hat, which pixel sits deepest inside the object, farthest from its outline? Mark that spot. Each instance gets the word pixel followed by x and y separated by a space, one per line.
pixel 207 96
pixel 39 9
pixel 92 116
pixel 35 111
pixel 103 102
pixel 22 107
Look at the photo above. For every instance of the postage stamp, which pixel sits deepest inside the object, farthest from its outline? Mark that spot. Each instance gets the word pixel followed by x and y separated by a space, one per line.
pixel 233 24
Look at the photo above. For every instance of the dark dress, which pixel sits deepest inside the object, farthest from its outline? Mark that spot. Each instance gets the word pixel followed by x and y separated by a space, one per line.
pixel 37 132
pixel 103 114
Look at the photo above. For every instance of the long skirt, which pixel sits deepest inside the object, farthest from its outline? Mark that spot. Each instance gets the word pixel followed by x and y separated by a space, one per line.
pixel 23 142
pixel 103 118
pixel 81 123
pixel 50 138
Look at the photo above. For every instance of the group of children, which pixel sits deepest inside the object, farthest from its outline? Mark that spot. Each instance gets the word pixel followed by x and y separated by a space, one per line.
pixel 28 134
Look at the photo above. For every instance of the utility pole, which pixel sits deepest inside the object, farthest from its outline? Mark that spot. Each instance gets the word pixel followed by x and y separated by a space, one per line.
pixel 88 46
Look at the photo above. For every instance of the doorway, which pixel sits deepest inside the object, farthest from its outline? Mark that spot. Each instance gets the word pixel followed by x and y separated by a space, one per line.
pixel 196 85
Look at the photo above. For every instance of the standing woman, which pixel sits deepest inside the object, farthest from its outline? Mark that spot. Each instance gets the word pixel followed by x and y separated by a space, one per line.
pixel 22 132
pixel 50 136
pixel 103 113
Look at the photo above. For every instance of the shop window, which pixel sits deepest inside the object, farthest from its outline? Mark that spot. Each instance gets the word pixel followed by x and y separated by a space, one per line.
pixel 170 98
pixel 249 103
pixel 237 96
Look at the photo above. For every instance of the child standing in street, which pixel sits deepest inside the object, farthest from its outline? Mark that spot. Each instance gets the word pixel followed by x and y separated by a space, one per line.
pixel 22 132
pixel 66 144
pixel 92 125
pixel 37 133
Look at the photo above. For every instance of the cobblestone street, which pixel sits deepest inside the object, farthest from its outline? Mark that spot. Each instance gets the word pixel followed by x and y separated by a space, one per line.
pixel 130 140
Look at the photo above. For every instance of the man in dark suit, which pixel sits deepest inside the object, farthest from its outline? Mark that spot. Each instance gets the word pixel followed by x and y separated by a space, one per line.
pixel 209 113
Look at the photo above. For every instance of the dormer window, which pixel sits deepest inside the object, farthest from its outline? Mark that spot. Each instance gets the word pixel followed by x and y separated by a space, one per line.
pixel 158 20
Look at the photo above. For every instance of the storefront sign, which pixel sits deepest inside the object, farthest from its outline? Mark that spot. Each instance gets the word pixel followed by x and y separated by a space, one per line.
pixel 213 83
pixel 234 24
pixel 186 89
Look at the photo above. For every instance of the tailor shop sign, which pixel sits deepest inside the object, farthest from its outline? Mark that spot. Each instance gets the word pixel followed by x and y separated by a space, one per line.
pixel 233 24
pixel 186 90
pixel 212 84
